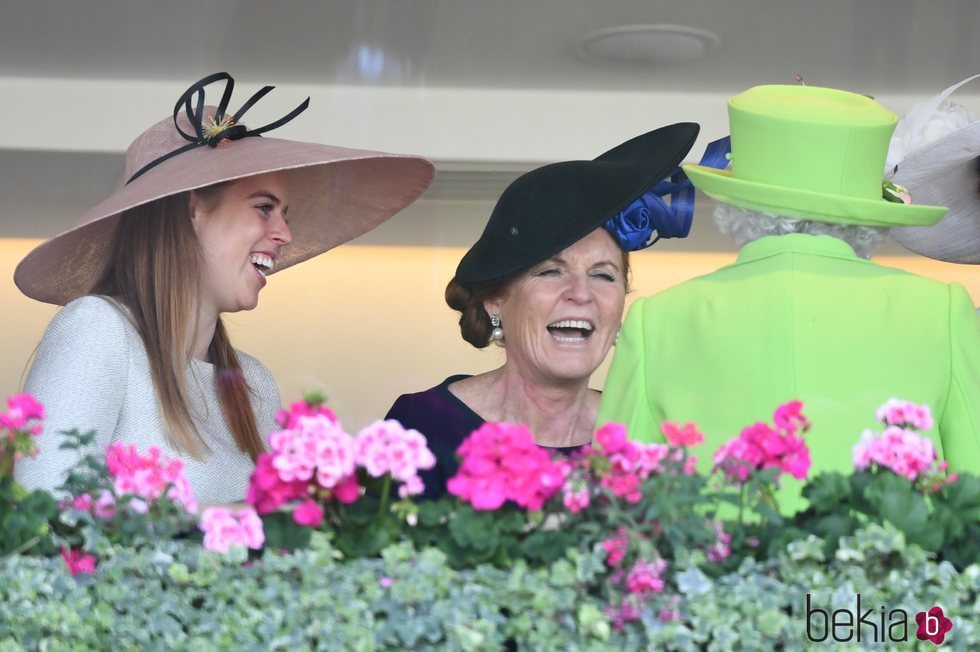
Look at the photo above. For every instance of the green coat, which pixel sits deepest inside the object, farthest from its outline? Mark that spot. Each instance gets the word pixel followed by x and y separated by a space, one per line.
pixel 800 317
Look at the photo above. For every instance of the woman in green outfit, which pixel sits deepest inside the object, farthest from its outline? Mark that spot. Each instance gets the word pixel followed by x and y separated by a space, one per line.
pixel 800 314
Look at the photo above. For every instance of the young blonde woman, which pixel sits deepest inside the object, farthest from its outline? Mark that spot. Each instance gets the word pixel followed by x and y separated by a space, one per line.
pixel 210 208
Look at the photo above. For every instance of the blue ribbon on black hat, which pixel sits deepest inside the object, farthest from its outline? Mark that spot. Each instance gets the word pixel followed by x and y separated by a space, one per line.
pixel 220 127
pixel 651 217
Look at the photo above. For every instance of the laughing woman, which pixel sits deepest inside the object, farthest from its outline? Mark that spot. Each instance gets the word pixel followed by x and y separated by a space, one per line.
pixel 547 280
pixel 209 209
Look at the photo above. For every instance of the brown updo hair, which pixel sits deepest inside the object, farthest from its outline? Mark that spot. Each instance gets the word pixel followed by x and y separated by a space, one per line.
pixel 474 322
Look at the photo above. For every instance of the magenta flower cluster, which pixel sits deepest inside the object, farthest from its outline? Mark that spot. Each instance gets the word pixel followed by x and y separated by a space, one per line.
pixel 619 465
pixel 627 463
pixel 641 581
pixel 149 477
pixel 904 414
pixel 145 479
pixel 761 446
pixel 386 447
pixel 314 460
pixel 899 448
pixel 21 422
pixel 22 411
pixel 224 528
pixel 645 577
pixel 500 462
pixel 78 561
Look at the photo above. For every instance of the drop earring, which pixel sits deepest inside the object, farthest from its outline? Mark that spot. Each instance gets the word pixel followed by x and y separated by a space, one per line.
pixel 497 334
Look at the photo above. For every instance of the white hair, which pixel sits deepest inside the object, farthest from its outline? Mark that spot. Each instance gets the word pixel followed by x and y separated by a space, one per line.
pixel 744 226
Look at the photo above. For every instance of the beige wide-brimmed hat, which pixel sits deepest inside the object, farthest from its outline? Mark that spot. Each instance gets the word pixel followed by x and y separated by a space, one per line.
pixel 335 193
pixel 934 154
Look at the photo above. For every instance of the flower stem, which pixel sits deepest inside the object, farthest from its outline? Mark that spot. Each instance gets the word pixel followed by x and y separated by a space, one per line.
pixel 27 545
pixel 385 493
pixel 6 461
pixel 741 504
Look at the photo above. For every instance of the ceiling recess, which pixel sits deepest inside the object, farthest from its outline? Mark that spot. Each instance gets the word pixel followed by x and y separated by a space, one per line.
pixel 647 44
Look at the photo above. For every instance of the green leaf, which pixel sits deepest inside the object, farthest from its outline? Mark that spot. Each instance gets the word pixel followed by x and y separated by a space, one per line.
pixel 547 546
pixel 363 542
pixel 314 398
pixel 433 512
pixel 964 495
pixel 897 501
pixel 282 532
pixel 474 529
pixel 511 521
pixel 827 491
pixel 361 512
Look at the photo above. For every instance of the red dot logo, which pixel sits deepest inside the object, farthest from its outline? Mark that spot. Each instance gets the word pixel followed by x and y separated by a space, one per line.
pixel 933 625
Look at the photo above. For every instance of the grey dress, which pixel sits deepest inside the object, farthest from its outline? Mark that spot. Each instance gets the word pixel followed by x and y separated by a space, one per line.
pixel 91 372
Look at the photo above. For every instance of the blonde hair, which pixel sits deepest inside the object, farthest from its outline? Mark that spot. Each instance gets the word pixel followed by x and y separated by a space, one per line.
pixel 154 268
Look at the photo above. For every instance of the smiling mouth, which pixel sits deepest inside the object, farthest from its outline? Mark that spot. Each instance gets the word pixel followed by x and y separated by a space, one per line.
pixel 264 264
pixel 571 330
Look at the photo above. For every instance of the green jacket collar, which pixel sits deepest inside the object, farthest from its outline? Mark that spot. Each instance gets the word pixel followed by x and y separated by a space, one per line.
pixel 772 245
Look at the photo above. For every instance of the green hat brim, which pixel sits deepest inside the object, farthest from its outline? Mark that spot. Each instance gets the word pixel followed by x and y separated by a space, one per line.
pixel 799 203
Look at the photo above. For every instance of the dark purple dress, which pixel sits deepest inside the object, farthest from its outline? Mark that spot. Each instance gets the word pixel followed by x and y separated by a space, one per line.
pixel 445 421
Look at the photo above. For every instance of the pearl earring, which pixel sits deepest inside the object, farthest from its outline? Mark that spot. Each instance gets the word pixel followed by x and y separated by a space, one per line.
pixel 498 333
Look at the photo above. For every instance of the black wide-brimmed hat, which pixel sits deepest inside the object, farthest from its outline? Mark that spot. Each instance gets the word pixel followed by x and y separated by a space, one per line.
pixel 552 207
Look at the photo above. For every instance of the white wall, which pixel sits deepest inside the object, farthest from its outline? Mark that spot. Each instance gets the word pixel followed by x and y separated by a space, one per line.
pixel 365 324
pixel 440 123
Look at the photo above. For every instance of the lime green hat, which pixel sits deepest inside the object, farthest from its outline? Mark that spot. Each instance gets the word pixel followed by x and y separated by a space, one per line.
pixel 812 153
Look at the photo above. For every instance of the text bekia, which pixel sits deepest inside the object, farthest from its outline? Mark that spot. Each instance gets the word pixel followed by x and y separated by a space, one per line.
pixel 844 625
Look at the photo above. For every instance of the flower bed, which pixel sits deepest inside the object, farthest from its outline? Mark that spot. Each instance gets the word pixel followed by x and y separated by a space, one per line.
pixel 620 546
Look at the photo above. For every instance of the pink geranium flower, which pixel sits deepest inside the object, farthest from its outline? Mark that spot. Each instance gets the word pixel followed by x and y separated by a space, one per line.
pixel 78 562
pixel 760 446
pixel 347 490
pixel 21 409
pixel 686 435
pixel 901 451
pixel 646 578
pixel 267 491
pixel 314 459
pixel 623 485
pixel 575 495
pixel 149 477
pixel 288 419
pixel 21 423
pixel 611 438
pixel 649 458
pixel 616 547
pixel 411 487
pixel 789 418
pixel 627 611
pixel 905 414
pixel 386 447
pixel 500 462
pixel 309 513
pixel 720 549
pixel 224 528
